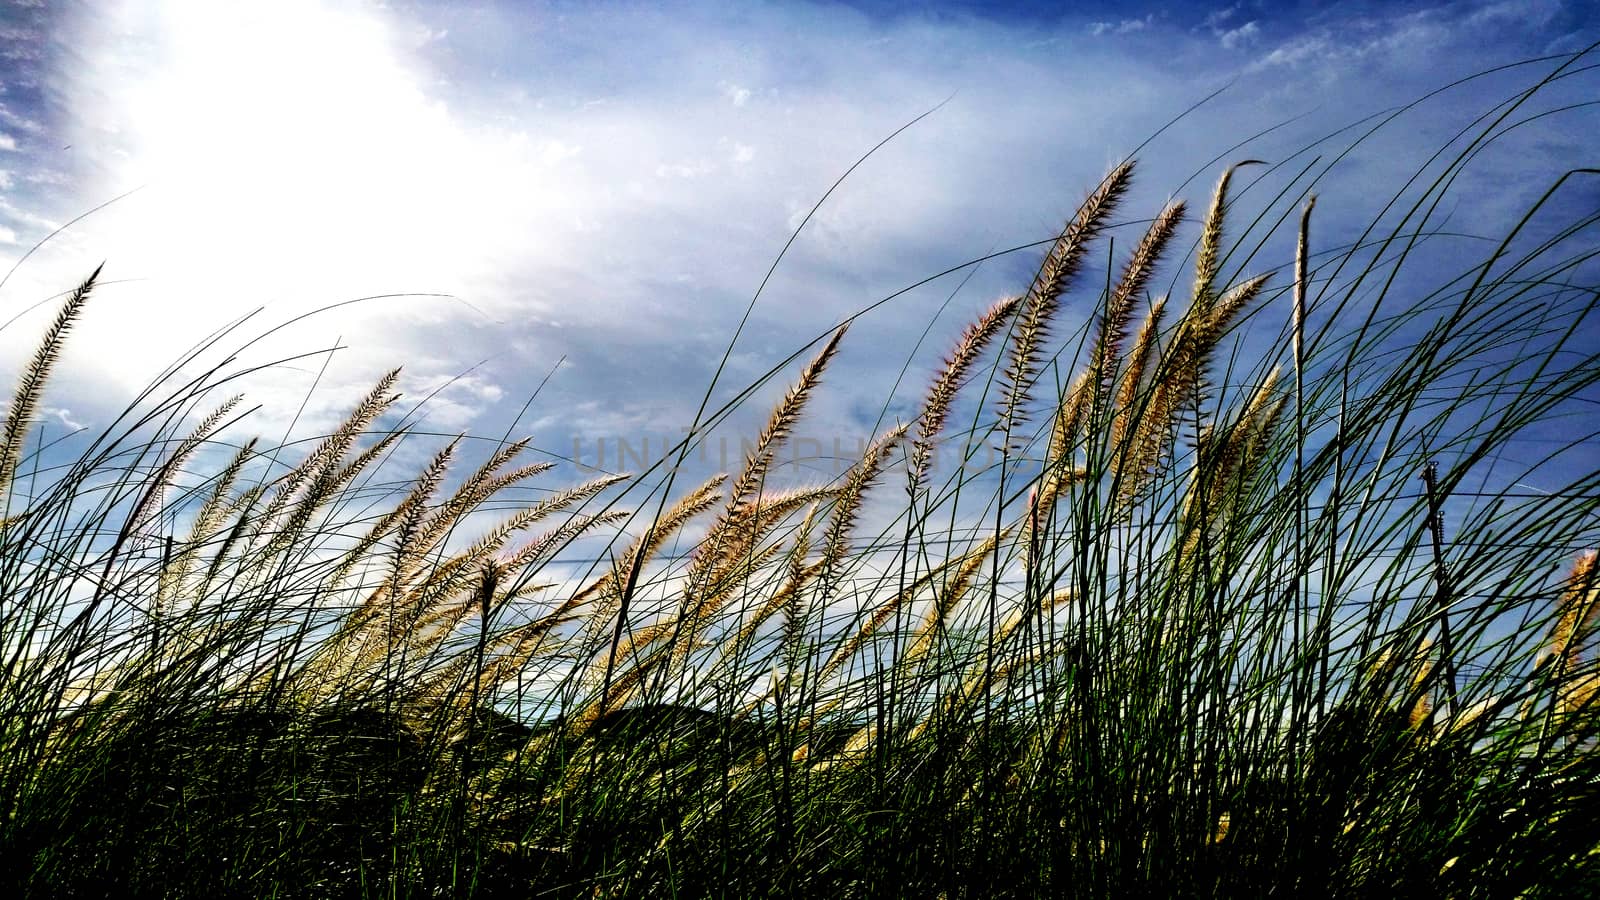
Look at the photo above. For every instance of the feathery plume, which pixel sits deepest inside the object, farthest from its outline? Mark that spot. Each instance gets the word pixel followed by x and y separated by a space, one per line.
pixel 25 402
pixel 1060 265
pixel 942 393
pixel 1576 611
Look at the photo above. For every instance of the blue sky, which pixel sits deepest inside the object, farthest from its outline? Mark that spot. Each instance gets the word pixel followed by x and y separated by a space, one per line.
pixel 606 184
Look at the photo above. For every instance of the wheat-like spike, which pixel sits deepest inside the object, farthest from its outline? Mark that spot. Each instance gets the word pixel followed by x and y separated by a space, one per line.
pixel 861 477
pixel 980 671
pixel 354 638
pixel 623 687
pixel 1231 304
pixel 478 487
pixel 332 482
pixel 784 598
pixel 1136 275
pixel 438 622
pixel 787 599
pixel 1092 397
pixel 151 500
pixel 606 591
pixel 637 639
pixel 782 421
pixel 771 509
pixel 1064 428
pixel 1302 280
pixel 405 612
pixel 1090 394
pixel 332 448
pixel 1131 469
pixel 718 592
pixel 836 544
pixel 563 499
pixel 442 619
pixel 1046 603
pixel 1576 611
pixel 800 573
pixel 417 552
pixel 206 520
pixel 631 649
pixel 1044 295
pixel 1155 427
pixel 1423 667
pixel 945 600
pixel 30 388
pixel 303 490
pixel 1209 259
pixel 528 590
pixel 845 508
pixel 322 489
pixel 942 393
pixel 410 506
pixel 348 472
pixel 483 483
pixel 713 549
pixel 242 509
pixel 880 615
pixel 1180 381
pixel 972 683
pixel 560 536
pixel 514 643
pixel 1578 693
pixel 756 520
pixel 1228 465
pixel 451 575
pixel 1470 715
pixel 1198 339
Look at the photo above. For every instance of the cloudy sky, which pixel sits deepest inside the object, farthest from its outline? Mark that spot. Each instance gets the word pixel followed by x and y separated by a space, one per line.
pixel 605 185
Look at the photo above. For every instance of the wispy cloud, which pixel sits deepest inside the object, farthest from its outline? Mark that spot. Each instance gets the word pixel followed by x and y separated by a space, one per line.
pixel 1121 26
pixel 1234 38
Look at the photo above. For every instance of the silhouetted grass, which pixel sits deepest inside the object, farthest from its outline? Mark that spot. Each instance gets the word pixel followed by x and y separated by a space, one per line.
pixel 1208 625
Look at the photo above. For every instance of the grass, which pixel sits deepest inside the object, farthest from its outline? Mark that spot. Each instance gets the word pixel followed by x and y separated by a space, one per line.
pixel 1201 627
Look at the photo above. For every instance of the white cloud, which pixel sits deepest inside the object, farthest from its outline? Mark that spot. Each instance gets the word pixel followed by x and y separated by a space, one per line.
pixel 1526 14
pixel 1239 37
pixel 1415 36
pixel 7 142
pixel 1125 26
pixel 20 122
pixel 1297 50
pixel 684 170
pixel 64 416
pixel 736 95
pixel 743 153
pixel 1216 17
pixel 27 217
pixel 7 236
pixel 552 152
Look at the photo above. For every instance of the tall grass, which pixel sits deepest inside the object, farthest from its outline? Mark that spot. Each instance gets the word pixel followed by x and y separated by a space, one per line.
pixel 1207 618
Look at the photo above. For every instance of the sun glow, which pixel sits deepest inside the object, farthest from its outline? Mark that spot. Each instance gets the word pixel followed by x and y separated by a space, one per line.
pixel 292 154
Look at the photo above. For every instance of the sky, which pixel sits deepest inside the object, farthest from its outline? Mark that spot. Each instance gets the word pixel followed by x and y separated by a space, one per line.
pixel 578 201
